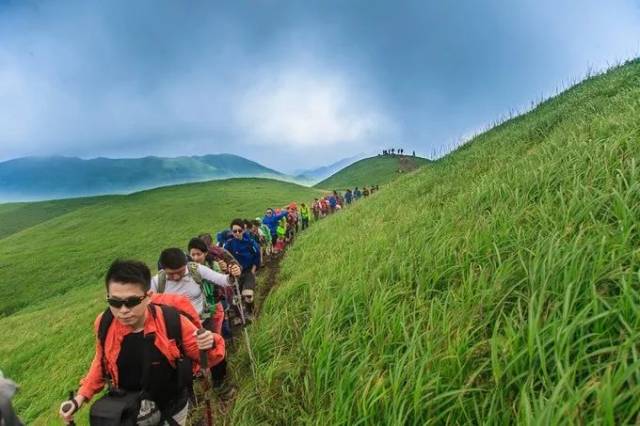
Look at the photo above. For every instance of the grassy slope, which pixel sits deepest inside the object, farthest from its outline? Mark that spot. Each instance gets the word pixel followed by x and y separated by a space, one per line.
pixel 500 285
pixel 15 217
pixel 371 171
pixel 51 279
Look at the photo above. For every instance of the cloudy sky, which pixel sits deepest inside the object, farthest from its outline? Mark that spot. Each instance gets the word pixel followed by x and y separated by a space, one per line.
pixel 290 84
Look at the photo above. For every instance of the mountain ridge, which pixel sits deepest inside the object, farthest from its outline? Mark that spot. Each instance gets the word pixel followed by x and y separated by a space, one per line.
pixel 53 177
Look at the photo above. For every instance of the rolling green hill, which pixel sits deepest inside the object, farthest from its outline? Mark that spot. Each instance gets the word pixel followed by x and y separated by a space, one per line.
pixel 378 170
pixel 499 285
pixel 51 274
pixel 15 217
pixel 32 178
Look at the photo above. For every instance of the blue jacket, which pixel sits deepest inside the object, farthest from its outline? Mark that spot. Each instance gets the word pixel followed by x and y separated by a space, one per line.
pixel 246 251
pixel 272 222
pixel 332 201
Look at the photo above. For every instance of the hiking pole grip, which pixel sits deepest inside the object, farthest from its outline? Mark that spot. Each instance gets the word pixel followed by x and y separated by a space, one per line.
pixel 70 405
pixel 204 360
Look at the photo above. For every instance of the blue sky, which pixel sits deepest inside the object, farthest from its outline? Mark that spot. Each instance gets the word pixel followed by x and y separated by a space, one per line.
pixel 290 84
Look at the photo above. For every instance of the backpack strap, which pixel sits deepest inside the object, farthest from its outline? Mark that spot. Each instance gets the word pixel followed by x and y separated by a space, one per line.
pixel 162 280
pixel 103 328
pixel 195 274
pixel 172 322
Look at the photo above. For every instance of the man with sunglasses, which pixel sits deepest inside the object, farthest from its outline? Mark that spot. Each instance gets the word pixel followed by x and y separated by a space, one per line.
pixel 138 356
pixel 247 253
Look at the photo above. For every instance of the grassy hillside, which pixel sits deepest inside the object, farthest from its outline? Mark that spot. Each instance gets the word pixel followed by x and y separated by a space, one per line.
pixel 372 171
pixel 499 285
pixel 51 274
pixel 15 217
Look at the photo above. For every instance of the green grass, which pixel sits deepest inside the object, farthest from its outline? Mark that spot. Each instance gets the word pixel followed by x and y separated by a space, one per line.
pixel 378 170
pixel 499 285
pixel 51 274
pixel 14 217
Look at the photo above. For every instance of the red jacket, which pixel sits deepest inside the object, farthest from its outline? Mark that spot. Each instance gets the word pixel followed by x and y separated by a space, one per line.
pixel 93 382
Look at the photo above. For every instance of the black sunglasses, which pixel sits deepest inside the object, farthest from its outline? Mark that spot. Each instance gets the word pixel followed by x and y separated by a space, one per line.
pixel 129 302
pixel 237 231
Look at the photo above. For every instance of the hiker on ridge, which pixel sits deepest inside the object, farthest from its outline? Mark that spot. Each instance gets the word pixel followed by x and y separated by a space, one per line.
pixel 305 215
pixel 348 195
pixel 271 219
pixel 214 295
pixel 143 352
pixel 356 194
pixel 180 276
pixel 247 253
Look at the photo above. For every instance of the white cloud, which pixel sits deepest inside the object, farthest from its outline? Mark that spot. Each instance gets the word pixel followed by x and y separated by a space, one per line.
pixel 301 108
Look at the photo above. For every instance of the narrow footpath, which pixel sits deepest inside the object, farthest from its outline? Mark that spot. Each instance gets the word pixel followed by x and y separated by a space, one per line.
pixel 267 279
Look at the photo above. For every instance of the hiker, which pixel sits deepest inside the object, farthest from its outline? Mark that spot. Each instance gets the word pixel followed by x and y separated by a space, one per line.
pixel 180 276
pixel 271 219
pixel 357 194
pixel 8 389
pixel 305 214
pixel 348 195
pixel 315 208
pixel 292 224
pixel 265 238
pixel 143 354
pixel 247 253
pixel 214 295
pixel 333 201
pixel 365 192
pixel 326 207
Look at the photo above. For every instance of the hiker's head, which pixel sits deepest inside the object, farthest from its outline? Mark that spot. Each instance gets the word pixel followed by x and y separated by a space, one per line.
pixel 128 283
pixel 247 224
pixel 198 250
pixel 174 263
pixel 255 224
pixel 237 228
pixel 269 212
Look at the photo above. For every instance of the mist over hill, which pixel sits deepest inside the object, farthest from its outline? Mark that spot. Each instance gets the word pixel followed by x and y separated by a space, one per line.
pixel 37 178
pixel 320 173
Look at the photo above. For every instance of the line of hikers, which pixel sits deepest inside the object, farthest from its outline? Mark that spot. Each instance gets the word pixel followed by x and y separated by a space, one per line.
pixel 158 332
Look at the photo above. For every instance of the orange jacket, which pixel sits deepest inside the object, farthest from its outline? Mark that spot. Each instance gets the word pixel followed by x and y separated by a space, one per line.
pixel 93 382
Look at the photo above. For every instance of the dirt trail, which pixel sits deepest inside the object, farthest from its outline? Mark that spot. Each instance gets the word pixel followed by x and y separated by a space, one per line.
pixel 267 279
pixel 406 164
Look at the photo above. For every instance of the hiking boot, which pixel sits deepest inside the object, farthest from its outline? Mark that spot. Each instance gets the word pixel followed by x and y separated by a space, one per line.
pixel 224 391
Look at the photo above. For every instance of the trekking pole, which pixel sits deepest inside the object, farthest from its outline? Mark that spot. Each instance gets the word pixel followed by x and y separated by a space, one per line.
pixel 238 300
pixel 204 366
pixel 68 406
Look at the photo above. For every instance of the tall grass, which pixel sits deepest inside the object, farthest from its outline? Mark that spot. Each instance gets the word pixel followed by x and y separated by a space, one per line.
pixel 499 285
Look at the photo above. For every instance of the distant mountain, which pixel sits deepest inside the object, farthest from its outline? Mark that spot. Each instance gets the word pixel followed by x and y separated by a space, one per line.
pixel 34 178
pixel 316 175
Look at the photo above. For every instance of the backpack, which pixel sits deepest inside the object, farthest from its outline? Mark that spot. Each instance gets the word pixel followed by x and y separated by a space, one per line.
pixel 119 407
pixel 193 270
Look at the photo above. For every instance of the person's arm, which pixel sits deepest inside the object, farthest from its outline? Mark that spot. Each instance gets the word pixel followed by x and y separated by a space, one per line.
pixel 90 385
pixel 214 343
pixel 217 278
